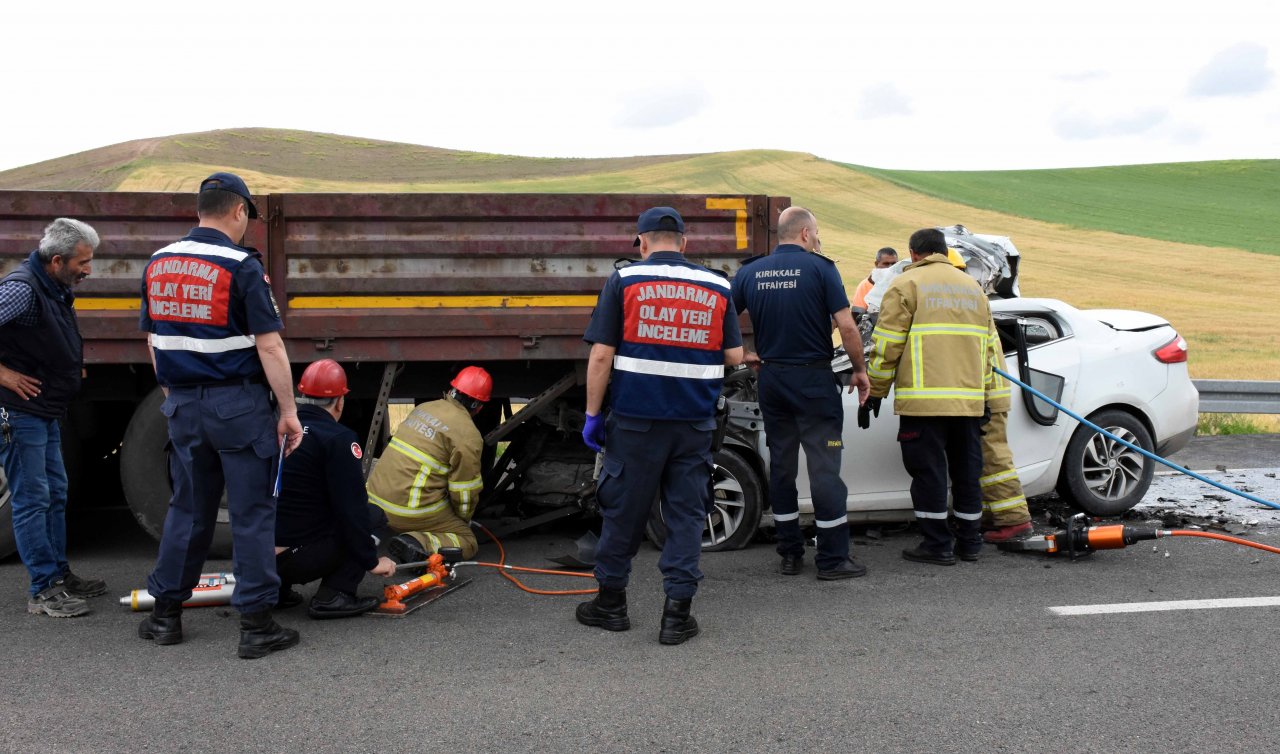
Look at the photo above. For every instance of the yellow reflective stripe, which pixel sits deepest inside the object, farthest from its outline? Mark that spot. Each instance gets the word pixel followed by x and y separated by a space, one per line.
pixel 435 541
pixel 892 336
pixel 1002 476
pixel 952 329
pixel 1002 393
pixel 941 392
pixel 419 456
pixel 453 539
pixel 401 510
pixel 419 482
pixel 879 373
pixel 1006 504
pixel 470 484
pixel 917 360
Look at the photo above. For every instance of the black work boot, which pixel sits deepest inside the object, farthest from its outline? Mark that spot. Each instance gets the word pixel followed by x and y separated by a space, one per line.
pixel 164 625
pixel 260 635
pixel 608 610
pixel 678 626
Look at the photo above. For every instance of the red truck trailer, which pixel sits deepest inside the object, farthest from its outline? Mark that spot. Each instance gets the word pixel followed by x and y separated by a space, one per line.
pixel 403 289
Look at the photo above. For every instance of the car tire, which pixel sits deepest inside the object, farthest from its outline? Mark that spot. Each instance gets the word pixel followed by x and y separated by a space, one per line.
pixel 144 467
pixel 739 504
pixel 1101 476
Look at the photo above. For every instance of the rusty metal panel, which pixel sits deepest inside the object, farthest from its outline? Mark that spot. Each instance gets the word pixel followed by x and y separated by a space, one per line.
pixel 416 277
pixel 490 274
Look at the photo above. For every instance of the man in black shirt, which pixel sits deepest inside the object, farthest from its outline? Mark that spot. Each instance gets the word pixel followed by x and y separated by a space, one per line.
pixel 324 523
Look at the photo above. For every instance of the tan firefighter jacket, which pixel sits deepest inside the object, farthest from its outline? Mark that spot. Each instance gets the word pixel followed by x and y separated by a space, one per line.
pixel 932 342
pixel 431 465
pixel 999 390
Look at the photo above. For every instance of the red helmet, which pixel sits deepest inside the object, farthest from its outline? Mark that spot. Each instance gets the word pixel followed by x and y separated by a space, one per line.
pixel 324 379
pixel 474 382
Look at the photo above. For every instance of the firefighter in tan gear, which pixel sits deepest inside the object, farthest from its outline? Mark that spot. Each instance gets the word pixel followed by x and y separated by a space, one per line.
pixel 1004 505
pixel 428 479
pixel 932 345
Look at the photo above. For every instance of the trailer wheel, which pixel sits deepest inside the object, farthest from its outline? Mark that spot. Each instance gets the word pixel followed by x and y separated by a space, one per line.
pixel 144 474
pixel 739 502
pixel 8 542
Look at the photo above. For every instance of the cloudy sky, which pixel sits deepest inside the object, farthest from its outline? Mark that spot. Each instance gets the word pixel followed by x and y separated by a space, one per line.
pixel 931 84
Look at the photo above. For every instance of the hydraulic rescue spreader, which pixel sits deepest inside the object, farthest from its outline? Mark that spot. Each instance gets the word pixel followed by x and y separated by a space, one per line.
pixel 1079 538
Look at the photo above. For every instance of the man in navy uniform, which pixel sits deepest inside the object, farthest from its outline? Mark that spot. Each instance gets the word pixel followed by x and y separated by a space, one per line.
pixel 324 522
pixel 793 295
pixel 215 341
pixel 664 329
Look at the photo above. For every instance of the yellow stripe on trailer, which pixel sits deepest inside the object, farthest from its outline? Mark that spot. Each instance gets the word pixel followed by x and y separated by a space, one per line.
pixel 86 304
pixel 436 302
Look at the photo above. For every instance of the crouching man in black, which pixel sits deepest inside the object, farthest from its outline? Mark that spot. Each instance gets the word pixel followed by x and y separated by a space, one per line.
pixel 324 522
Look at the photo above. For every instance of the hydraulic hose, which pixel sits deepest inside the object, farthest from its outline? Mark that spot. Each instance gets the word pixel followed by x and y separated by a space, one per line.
pixel 503 569
pixel 1130 445
pixel 1223 538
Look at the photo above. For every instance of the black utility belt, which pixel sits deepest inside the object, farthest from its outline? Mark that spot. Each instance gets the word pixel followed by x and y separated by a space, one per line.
pixel 257 379
pixel 819 364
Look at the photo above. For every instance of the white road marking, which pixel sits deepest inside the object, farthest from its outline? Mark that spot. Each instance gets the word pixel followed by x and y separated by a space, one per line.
pixel 1150 607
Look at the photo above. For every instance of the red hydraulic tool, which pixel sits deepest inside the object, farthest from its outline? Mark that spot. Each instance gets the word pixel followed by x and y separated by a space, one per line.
pixel 1079 538
pixel 396 594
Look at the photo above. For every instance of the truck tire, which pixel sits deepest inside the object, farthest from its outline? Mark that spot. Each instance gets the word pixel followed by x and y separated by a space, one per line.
pixel 144 464
pixel 1101 476
pixel 739 504
pixel 8 543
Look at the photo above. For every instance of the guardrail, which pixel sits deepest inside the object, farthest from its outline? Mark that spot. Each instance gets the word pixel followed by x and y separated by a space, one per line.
pixel 1238 396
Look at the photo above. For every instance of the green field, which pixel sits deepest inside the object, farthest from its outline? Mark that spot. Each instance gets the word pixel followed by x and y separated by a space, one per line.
pixel 1232 203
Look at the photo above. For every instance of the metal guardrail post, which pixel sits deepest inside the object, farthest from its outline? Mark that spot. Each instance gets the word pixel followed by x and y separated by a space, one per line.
pixel 1238 396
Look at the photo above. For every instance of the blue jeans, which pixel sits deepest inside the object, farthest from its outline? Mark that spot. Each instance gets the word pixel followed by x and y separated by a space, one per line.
pixel 32 458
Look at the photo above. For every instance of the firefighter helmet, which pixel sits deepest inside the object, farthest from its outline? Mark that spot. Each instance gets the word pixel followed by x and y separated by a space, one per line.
pixel 474 382
pixel 323 379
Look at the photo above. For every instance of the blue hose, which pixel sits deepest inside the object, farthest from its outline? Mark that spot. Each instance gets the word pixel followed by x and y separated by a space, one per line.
pixel 1128 444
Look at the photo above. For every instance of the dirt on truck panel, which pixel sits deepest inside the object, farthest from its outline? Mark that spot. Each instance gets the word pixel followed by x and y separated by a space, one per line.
pixel 401 288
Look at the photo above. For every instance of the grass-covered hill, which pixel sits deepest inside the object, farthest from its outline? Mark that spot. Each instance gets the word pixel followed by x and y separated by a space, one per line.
pixel 1194 243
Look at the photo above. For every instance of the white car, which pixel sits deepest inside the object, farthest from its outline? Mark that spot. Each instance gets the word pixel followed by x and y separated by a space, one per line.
pixel 1125 371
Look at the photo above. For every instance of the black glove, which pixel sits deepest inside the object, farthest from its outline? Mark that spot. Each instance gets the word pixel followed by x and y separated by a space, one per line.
pixel 986 416
pixel 872 406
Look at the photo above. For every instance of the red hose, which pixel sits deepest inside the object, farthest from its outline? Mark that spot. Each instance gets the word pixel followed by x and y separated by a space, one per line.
pixel 1224 538
pixel 502 567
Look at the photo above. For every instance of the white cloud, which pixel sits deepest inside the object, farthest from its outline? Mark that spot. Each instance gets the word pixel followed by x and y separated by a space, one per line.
pixel 1240 69
pixel 883 101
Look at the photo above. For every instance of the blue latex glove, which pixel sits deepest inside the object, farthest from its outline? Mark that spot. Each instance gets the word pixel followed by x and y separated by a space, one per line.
pixel 593 432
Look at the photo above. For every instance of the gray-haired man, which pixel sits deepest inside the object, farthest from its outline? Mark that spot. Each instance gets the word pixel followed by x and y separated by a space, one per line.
pixel 41 361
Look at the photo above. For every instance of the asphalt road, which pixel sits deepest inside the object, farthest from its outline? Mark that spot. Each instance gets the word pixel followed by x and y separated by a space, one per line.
pixel 911 658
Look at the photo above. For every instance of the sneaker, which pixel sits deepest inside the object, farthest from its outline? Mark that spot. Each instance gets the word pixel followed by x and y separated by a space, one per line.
pixel 1006 533
pixel 78 587
pixel 55 601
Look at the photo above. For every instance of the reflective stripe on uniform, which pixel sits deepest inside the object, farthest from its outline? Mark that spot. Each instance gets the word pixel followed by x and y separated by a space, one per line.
pixel 1002 476
pixel 404 512
pixel 675 272
pixel 202 345
pixel 933 516
pixel 427 465
pixel 786 516
pixel 1006 504
pixel 939 393
pixel 453 539
pixel 951 329
pixel 463 492
pixel 203 249
pixel 968 516
pixel 669 368
pixel 833 523
pixel 435 541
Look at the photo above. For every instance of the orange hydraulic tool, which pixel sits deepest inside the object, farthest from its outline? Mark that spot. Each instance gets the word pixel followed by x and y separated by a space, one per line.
pixel 397 593
pixel 1079 538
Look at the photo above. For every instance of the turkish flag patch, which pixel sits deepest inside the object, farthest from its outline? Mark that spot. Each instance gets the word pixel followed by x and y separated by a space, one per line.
pixel 355 450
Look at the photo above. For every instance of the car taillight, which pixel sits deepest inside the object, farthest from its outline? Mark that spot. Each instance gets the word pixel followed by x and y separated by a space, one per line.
pixel 1173 352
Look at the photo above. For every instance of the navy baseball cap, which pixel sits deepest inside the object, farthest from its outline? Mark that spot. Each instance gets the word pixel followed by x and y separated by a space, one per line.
pixel 658 218
pixel 233 183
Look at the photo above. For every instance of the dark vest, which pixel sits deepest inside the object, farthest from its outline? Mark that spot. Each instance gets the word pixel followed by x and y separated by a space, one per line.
pixel 50 351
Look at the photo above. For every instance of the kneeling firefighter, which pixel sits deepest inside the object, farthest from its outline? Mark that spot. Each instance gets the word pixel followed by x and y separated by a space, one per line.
pixel 324 523
pixel 428 480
